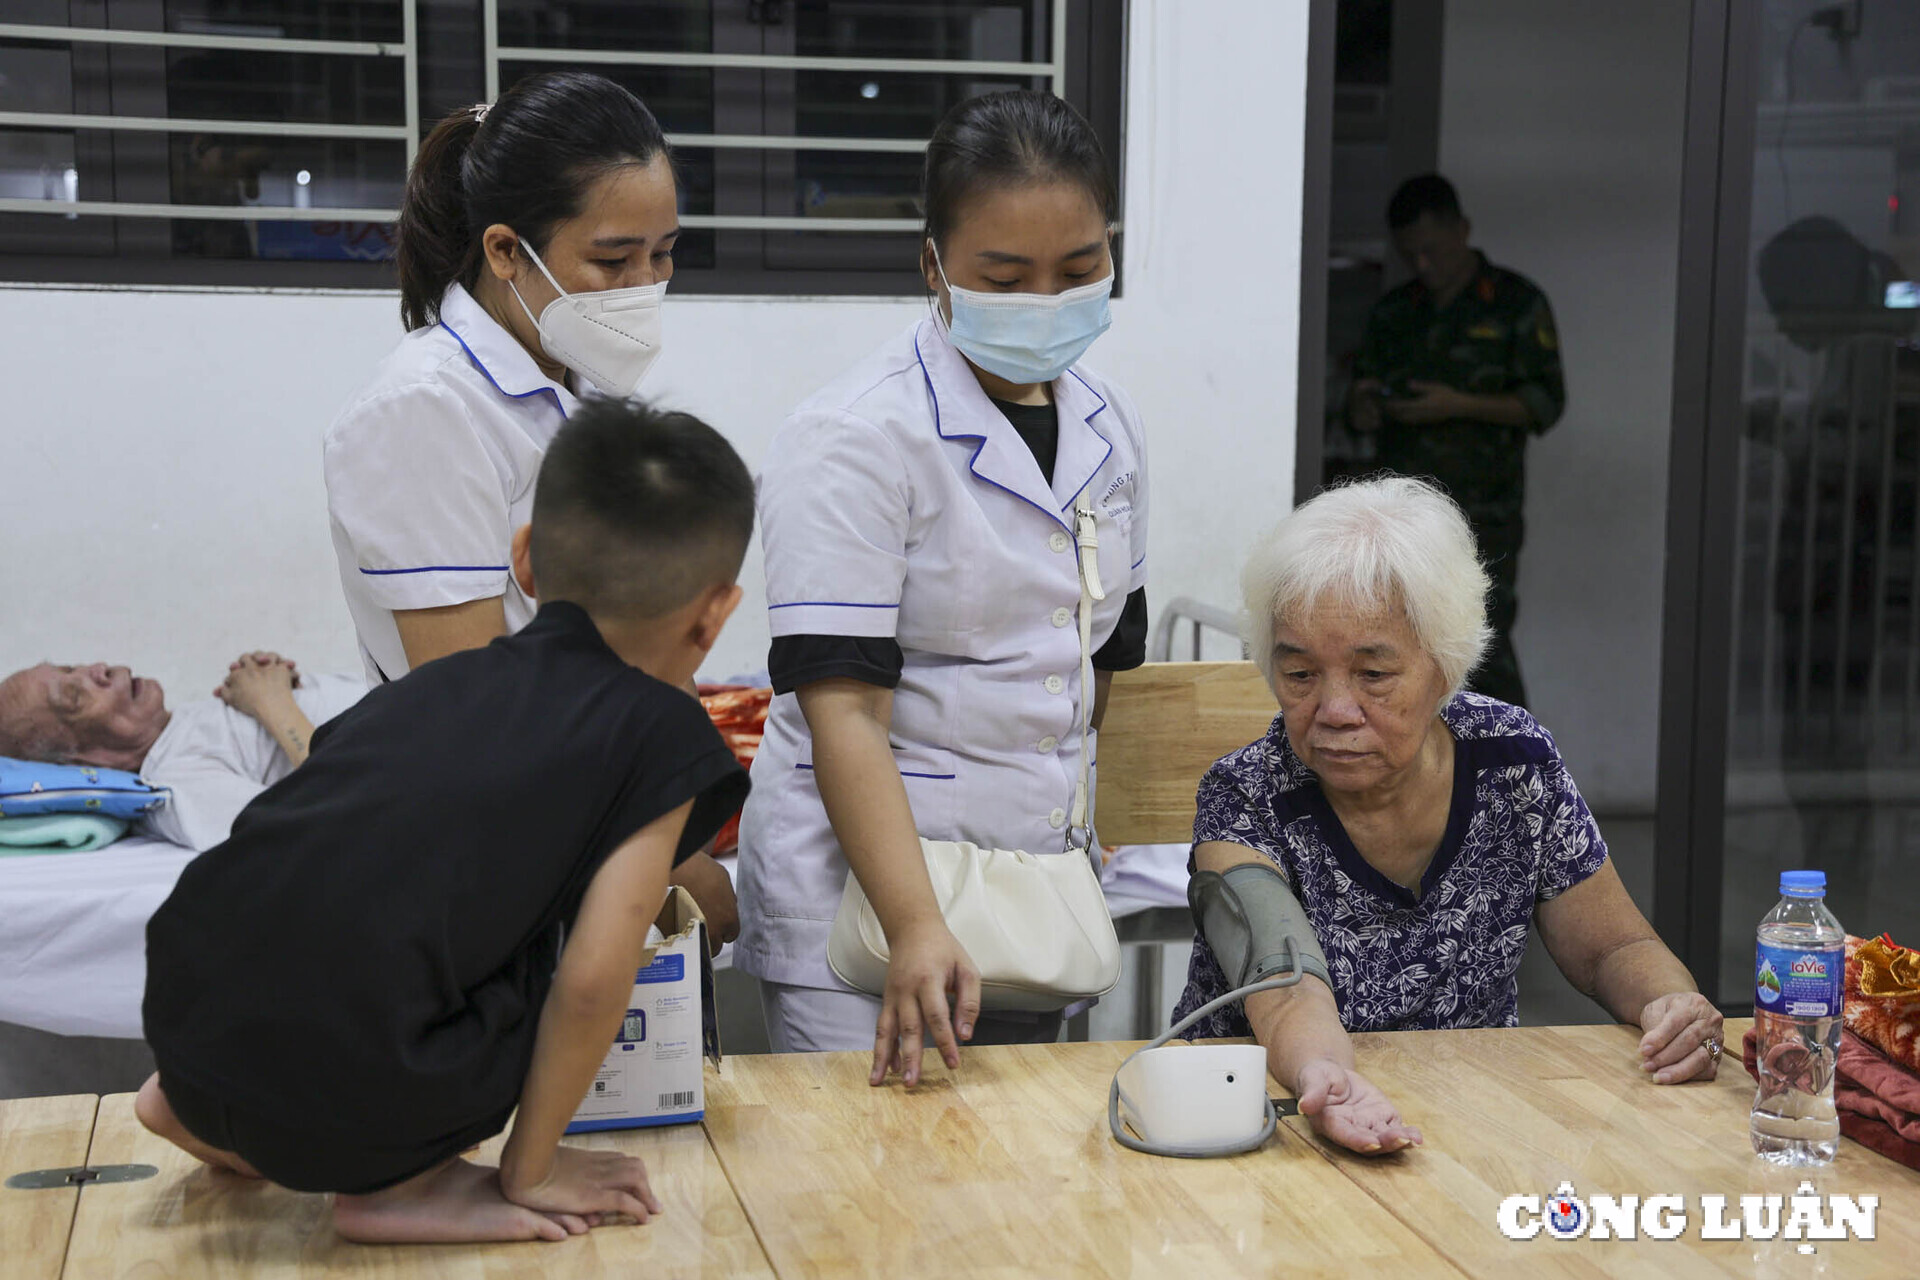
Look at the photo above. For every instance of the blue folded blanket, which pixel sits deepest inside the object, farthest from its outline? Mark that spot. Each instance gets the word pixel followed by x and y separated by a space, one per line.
pixel 58 833
pixel 29 788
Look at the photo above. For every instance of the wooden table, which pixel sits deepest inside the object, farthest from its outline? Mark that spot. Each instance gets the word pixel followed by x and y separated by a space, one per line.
pixel 1005 1168
pixel 1510 1112
pixel 40 1133
pixel 194 1223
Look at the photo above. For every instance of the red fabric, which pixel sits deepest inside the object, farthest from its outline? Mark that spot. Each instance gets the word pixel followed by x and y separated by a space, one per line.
pixel 739 712
pixel 1870 1119
pixel 1871 1084
pixel 1875 1136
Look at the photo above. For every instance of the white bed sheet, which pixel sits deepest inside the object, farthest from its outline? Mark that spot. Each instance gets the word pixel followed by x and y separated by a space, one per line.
pixel 73 935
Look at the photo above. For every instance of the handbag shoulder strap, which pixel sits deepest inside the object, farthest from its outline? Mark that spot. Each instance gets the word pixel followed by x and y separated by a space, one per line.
pixel 1087 550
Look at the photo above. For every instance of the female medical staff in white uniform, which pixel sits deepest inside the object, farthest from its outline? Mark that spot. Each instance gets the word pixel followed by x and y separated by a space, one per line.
pixel 922 585
pixel 535 243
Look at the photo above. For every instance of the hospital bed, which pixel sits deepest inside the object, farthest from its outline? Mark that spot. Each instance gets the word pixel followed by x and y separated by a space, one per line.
pixel 73 935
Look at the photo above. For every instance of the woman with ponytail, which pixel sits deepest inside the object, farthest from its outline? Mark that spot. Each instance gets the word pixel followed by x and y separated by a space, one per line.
pixel 535 241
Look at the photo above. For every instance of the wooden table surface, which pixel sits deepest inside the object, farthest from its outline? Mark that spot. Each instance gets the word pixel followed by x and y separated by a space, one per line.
pixel 40 1133
pixel 1005 1168
pixel 195 1223
pixel 1506 1112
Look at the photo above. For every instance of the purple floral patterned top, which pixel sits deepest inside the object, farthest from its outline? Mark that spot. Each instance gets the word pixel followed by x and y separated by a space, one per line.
pixel 1518 834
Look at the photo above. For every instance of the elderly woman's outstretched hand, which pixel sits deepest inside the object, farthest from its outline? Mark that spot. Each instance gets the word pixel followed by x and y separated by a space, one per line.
pixel 1347 1108
pixel 1682 1038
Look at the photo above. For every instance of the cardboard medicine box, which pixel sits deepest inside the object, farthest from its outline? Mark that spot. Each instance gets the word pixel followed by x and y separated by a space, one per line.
pixel 653 1071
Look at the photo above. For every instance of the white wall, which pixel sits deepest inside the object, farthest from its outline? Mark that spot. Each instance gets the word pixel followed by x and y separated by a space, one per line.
pixel 164 505
pixel 1561 124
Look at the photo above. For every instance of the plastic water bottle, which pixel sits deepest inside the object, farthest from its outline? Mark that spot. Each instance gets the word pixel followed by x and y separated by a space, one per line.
pixel 1799 965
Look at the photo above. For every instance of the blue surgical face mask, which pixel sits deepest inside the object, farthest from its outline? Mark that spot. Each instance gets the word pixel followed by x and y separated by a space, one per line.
pixel 1027 337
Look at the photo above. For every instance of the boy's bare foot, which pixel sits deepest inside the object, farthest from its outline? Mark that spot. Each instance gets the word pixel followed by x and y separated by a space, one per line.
pixel 454 1203
pixel 156 1113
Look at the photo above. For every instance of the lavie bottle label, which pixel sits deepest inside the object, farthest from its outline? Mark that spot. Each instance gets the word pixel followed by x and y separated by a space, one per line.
pixel 1799 982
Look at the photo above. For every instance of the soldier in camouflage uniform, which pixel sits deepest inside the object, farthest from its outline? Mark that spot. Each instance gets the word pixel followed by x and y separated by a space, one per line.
pixel 1458 367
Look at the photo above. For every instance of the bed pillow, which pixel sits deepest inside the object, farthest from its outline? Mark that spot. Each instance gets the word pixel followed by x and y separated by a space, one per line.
pixel 29 788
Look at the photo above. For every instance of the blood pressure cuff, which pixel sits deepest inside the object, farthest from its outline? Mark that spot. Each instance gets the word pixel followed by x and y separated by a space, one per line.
pixel 1249 917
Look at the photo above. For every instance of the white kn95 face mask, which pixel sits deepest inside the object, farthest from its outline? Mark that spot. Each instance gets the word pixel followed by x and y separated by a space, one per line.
pixel 610 338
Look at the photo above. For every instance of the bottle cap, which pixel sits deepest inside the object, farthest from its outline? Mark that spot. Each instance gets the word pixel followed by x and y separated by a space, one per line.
pixel 1803 884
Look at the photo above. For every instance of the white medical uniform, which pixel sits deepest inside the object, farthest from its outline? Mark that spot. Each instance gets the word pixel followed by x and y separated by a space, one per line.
pixel 899 502
pixel 429 471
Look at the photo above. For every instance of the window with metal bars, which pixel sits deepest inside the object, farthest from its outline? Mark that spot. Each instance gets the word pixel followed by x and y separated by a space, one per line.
pixel 265 142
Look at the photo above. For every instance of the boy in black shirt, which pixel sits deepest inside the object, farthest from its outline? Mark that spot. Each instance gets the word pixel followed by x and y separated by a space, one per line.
pixel 362 982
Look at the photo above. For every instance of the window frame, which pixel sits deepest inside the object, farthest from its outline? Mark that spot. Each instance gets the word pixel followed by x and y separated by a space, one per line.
pixel 1088 41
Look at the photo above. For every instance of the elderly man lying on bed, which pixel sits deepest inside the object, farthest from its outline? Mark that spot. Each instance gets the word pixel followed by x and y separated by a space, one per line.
pixel 1402 836
pixel 216 753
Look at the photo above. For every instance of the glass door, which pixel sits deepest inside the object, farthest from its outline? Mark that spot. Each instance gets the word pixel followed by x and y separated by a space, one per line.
pixel 1822 761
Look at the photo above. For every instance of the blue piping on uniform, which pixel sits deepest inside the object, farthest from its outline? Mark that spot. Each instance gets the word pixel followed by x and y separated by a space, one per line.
pixel 488 375
pixel 905 773
pixel 1089 421
pixel 968 435
pixel 440 568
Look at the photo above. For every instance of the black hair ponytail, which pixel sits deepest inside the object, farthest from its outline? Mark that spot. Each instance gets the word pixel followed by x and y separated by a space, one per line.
pixel 526 161
pixel 1009 139
pixel 433 246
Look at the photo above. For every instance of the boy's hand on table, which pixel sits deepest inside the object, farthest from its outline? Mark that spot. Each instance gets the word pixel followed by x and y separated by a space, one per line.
pixel 259 684
pixel 597 1186
pixel 711 888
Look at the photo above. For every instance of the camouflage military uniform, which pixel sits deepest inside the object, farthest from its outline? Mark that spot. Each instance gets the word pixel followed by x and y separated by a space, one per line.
pixel 1496 338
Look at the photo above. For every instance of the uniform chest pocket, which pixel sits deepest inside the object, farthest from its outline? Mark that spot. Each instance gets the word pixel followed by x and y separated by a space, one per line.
pixel 956 563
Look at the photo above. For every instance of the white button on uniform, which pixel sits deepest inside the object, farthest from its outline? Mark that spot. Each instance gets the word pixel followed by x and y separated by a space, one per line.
pixel 1055 684
pixel 1046 744
pixel 1062 616
pixel 1057 819
pixel 1058 541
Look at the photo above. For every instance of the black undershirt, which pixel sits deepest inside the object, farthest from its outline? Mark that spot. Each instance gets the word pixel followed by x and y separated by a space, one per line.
pixel 1039 426
pixel 796 660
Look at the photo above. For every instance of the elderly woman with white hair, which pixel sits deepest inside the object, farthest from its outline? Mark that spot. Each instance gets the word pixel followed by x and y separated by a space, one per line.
pixel 1417 831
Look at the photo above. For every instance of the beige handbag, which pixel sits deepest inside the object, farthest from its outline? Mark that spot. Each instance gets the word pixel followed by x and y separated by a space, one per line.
pixel 1035 925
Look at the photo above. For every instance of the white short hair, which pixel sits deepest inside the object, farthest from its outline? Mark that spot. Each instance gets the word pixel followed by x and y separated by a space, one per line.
pixel 1371 545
